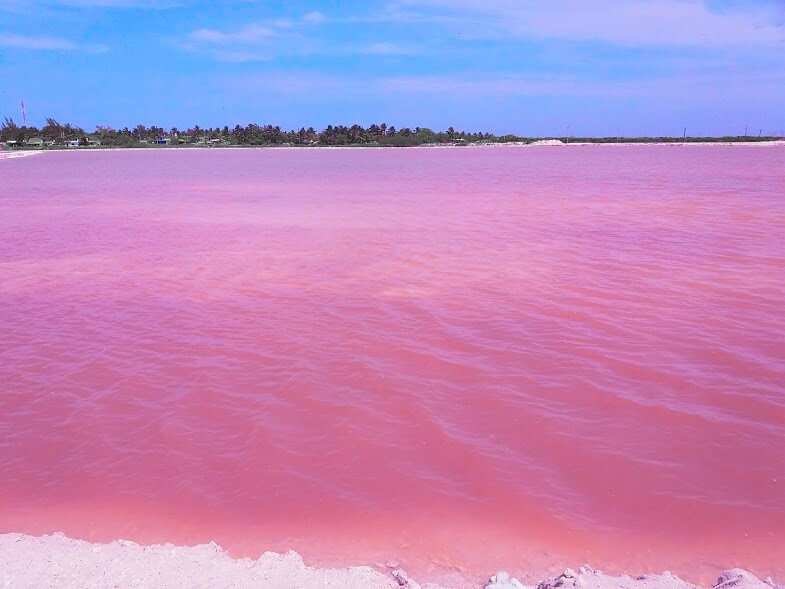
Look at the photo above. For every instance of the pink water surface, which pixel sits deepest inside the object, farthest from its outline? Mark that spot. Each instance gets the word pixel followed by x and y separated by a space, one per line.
pixel 460 359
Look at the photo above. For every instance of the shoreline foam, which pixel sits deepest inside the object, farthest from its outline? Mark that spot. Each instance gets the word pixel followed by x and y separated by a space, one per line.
pixel 58 561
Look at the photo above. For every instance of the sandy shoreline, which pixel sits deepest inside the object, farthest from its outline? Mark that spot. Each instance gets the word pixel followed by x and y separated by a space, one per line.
pixel 664 144
pixel 58 561
pixel 537 144
pixel 7 155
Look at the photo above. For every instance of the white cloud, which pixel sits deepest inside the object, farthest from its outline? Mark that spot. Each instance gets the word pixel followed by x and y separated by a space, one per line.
pixel 390 49
pixel 48 44
pixel 253 42
pixel 242 56
pixel 625 22
pixel 143 4
pixel 248 34
pixel 314 17
pixel 26 42
pixel 25 6
pixel 264 40
pixel 684 85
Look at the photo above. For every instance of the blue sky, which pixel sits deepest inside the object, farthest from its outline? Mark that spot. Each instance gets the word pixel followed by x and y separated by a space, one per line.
pixel 538 67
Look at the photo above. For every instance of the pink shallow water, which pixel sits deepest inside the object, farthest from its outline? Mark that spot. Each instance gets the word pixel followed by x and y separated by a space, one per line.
pixel 460 359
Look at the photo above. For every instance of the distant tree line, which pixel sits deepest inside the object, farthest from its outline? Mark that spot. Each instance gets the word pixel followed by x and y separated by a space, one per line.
pixel 55 134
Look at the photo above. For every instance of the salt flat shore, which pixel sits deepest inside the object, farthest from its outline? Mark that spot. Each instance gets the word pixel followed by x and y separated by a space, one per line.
pixel 512 144
pixel 7 155
pixel 558 143
pixel 62 562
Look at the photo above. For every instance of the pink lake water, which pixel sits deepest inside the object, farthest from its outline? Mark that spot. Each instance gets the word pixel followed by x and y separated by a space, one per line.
pixel 459 359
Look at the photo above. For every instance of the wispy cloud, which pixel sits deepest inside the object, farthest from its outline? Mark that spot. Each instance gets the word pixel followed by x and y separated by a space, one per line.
pixel 26 42
pixel 682 23
pixel 249 34
pixel 390 49
pixel 47 43
pixel 242 56
pixel 18 5
pixel 683 84
pixel 261 41
pixel 687 84
pixel 314 17
pixel 140 4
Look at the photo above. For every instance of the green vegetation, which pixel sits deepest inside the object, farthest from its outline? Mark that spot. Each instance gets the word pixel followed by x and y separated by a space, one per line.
pixel 54 135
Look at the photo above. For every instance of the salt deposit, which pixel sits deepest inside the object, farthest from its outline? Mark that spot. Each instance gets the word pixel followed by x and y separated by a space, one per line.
pixel 59 561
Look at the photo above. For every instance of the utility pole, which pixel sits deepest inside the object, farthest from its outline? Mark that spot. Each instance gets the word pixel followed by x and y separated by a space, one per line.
pixel 24 113
pixel 685 132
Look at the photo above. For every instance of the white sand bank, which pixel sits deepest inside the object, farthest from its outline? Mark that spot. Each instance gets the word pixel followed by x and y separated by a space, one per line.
pixel 7 155
pixel 560 143
pixel 512 144
pixel 58 561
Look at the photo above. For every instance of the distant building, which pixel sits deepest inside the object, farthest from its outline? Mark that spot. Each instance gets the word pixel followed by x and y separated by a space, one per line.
pixel 35 142
pixel 163 141
pixel 12 143
pixel 72 143
pixel 93 142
